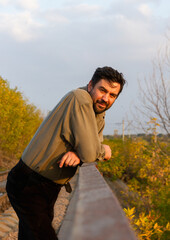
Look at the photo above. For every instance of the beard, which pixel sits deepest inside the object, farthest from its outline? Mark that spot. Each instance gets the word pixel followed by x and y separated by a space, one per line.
pixel 100 106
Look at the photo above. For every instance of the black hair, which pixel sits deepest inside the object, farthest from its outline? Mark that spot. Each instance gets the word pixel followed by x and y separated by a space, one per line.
pixel 108 74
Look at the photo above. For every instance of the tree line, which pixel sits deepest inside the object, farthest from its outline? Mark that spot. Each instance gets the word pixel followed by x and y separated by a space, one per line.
pixel 18 120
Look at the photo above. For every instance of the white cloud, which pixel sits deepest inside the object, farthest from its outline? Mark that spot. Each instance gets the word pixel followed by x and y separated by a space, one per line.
pixel 81 10
pixel 28 4
pixel 53 16
pixel 24 4
pixel 145 9
pixel 21 26
pixel 86 8
pixel 4 2
pixel 134 32
pixel 142 37
pixel 19 19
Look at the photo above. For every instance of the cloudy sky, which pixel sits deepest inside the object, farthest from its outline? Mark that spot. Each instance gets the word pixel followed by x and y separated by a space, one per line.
pixel 49 47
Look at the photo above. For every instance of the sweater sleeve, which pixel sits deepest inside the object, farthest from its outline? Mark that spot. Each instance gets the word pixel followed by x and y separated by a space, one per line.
pixel 80 130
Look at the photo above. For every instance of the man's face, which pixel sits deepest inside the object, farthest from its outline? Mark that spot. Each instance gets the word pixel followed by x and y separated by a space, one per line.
pixel 104 93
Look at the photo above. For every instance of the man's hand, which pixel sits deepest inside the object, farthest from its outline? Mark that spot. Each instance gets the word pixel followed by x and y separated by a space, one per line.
pixel 69 159
pixel 108 152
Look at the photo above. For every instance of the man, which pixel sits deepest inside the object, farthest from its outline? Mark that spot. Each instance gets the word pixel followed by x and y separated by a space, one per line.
pixel 69 136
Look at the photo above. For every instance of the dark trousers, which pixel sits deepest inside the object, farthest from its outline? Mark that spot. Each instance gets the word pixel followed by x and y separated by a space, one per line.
pixel 32 197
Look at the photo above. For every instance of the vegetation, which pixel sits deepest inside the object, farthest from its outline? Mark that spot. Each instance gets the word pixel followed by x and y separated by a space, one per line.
pixel 143 165
pixel 143 162
pixel 18 122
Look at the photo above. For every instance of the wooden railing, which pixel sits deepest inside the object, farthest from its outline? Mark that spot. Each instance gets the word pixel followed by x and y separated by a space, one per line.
pixel 94 213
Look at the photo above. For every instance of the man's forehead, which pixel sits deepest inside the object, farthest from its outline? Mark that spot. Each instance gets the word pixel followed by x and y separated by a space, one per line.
pixel 111 84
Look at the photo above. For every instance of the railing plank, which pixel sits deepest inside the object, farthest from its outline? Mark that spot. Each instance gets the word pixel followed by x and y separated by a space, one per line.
pixel 94 212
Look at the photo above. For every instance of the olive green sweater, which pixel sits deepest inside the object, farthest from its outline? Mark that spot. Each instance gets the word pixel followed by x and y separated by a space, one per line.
pixel 71 126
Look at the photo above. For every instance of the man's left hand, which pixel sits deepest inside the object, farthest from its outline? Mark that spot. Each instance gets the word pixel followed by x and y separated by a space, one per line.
pixel 69 159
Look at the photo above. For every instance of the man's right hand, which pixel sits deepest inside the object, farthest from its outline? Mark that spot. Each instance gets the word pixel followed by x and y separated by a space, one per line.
pixel 108 152
pixel 70 159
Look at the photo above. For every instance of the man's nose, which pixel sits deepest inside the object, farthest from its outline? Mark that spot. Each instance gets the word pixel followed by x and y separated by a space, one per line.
pixel 105 97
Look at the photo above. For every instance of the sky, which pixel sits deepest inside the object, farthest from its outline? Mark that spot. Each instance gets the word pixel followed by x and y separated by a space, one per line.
pixel 50 47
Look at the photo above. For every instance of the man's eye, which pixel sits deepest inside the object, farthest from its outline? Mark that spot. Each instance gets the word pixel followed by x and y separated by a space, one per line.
pixel 102 90
pixel 113 96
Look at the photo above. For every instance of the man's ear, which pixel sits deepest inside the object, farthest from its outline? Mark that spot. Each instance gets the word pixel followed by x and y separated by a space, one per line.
pixel 90 86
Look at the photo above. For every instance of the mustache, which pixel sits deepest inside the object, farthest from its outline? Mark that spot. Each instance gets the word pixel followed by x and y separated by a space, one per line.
pixel 102 102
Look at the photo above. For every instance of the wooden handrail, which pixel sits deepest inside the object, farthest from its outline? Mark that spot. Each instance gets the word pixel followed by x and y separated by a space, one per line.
pixel 94 213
